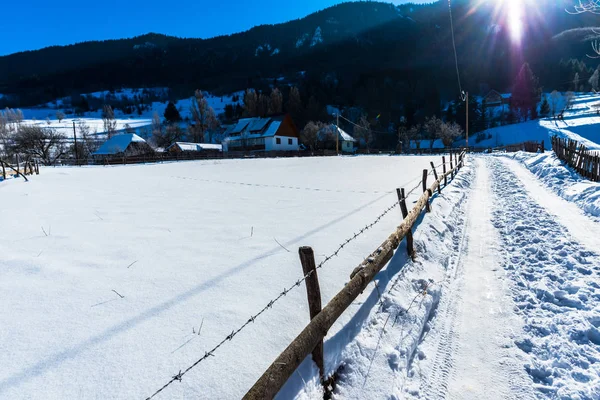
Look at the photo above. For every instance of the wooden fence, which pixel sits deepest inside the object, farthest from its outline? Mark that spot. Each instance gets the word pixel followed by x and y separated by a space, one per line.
pixel 584 161
pixel 28 167
pixel 310 340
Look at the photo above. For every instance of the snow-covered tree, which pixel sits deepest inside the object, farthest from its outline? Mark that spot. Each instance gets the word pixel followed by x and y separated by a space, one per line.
pixel 109 122
pixel 205 119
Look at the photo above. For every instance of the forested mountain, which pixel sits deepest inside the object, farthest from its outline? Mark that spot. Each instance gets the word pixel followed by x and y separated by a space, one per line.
pixel 391 60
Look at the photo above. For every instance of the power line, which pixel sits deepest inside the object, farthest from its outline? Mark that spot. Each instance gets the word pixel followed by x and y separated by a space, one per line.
pixel 355 124
pixel 462 93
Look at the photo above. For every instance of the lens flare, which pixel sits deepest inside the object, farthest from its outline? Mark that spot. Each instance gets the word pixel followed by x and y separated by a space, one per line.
pixel 514 19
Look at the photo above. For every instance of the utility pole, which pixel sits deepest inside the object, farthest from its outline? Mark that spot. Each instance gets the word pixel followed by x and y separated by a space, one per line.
pixel 337 134
pixel 467 125
pixel 75 140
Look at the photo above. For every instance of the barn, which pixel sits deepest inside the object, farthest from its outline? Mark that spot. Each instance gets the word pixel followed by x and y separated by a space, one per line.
pixel 187 147
pixel 126 144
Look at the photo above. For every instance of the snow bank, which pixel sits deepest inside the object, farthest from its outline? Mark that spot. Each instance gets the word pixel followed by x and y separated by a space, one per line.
pixel 374 352
pixel 553 173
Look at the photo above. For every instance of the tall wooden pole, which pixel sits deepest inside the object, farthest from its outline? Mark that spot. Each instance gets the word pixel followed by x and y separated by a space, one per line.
pixel 75 140
pixel 467 125
pixel 337 134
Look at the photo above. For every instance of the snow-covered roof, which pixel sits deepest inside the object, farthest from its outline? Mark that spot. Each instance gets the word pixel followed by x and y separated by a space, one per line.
pixel 118 144
pixel 273 128
pixel 187 146
pixel 250 128
pixel 343 135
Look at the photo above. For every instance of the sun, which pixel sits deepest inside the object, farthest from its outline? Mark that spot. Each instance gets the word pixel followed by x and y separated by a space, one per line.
pixel 515 19
pixel 513 13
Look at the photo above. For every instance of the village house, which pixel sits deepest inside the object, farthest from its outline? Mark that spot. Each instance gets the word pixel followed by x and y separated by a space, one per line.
pixel 496 99
pixel 126 144
pixel 344 142
pixel 262 134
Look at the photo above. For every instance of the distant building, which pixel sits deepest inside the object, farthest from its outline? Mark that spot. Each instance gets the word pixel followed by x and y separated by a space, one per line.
pixel 126 144
pixel 262 134
pixel 181 147
pixel 496 99
pixel 327 136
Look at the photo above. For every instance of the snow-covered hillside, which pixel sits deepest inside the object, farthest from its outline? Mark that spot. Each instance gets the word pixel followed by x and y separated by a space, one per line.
pixel 581 123
pixel 218 103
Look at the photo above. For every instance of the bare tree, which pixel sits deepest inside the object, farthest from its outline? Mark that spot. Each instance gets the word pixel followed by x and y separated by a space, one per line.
pixel 88 143
pixel 108 119
pixel 363 131
pixel 449 132
pixel 276 102
pixel 310 134
pixel 415 133
pixel 205 119
pixel 569 97
pixel 433 129
pixel 44 143
pixel 555 100
pixel 403 139
pixel 60 116
pixel 250 103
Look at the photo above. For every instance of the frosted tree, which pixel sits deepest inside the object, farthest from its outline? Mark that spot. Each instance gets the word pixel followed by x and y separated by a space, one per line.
pixel 555 100
pixel 60 116
pixel 576 82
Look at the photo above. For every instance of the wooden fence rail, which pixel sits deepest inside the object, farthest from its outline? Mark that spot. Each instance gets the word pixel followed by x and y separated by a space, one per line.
pixel 577 156
pixel 311 338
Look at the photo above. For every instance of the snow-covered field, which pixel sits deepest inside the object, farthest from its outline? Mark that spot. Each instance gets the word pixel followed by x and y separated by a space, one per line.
pixel 192 248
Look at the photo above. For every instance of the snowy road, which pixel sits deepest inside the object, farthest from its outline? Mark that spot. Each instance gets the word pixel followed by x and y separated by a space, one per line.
pixel 515 313
pixel 521 318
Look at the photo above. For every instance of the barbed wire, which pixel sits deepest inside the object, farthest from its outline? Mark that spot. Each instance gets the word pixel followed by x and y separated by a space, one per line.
pixel 210 353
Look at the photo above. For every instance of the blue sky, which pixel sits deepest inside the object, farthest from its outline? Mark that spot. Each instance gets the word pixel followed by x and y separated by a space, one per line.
pixel 36 24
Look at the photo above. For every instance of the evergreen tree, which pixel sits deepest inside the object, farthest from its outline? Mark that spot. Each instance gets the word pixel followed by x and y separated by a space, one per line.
pixel 526 92
pixel 171 113
pixel 594 80
pixel 545 108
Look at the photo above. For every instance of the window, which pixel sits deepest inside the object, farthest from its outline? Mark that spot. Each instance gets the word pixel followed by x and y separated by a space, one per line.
pixel 278 140
pixel 290 141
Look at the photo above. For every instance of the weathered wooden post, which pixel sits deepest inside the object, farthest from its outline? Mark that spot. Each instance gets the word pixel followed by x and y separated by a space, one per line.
pixel 436 177
pixel 444 169
pixel 451 167
pixel 409 237
pixel 313 292
pixel 427 205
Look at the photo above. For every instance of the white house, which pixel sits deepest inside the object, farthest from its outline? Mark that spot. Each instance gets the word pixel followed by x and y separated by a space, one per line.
pixel 262 134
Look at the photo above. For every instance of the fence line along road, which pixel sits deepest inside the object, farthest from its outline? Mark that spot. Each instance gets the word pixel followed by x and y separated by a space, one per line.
pixel 273 379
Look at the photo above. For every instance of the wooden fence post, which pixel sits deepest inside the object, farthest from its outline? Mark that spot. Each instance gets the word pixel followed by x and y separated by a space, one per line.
pixel 409 237
pixel 313 292
pixel 451 167
pixel 427 205
pixel 436 177
pixel 444 169
pixel 3 170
